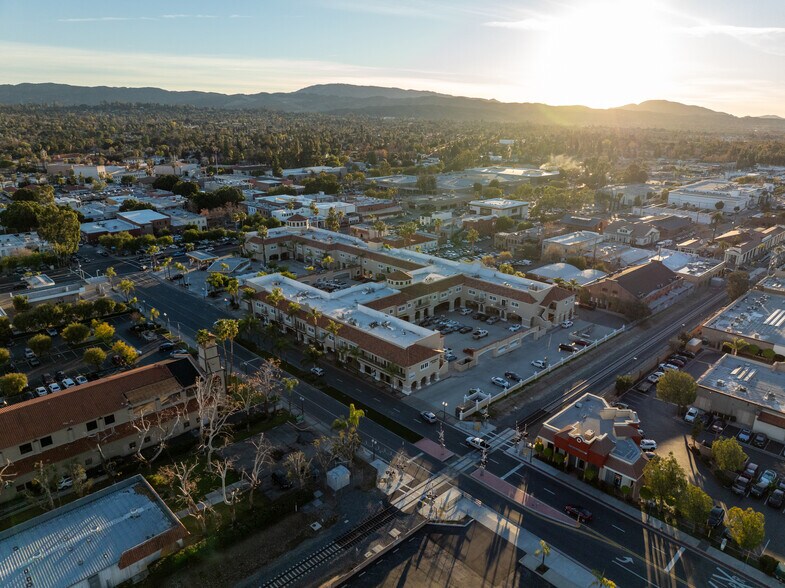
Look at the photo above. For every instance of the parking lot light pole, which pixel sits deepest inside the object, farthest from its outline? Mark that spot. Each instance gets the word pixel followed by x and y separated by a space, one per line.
pixel 444 411
pixel 302 406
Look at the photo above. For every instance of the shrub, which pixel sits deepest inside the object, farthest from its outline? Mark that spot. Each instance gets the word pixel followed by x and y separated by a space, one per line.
pixel 752 349
pixel 590 474
pixel 548 453
pixel 768 354
pixel 558 459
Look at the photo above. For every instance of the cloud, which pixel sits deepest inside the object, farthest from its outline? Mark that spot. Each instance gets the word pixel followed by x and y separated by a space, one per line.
pixel 188 16
pixel 145 18
pixel 537 23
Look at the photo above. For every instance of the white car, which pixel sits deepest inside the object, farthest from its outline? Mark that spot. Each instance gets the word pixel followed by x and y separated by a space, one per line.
pixel 668 367
pixel 54 387
pixel 514 328
pixel 41 391
pixel 500 382
pixel 477 443
pixel 655 377
pixel 68 383
pixel 317 371
pixel 466 311
pixel 566 324
pixel 540 364
pixel 80 379
pixel 648 445
pixel 691 415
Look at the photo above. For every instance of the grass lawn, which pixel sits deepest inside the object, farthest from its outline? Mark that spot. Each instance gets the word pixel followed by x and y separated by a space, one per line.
pixel 260 426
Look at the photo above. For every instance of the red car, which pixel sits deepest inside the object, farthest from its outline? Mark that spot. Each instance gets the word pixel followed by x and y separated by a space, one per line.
pixel 579 513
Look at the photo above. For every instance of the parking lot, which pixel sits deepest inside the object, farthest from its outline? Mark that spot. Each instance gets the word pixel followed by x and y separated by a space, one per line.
pixel 453 388
pixel 65 361
pixel 660 421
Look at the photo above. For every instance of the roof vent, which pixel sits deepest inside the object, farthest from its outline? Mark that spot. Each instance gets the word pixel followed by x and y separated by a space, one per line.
pixel 721 383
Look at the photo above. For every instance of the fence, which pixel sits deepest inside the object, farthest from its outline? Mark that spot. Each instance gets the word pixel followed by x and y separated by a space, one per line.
pixel 480 404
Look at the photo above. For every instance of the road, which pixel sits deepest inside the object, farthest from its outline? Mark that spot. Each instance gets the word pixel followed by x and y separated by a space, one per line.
pixel 624 548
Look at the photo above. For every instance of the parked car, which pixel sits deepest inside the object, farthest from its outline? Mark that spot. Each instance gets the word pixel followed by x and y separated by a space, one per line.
pixel 317 371
pixel 665 367
pixel 477 443
pixel 479 334
pixel 34 361
pixel 514 328
pixel 492 320
pixel 581 342
pixel 717 426
pixel 776 498
pixel 80 379
pixel 744 435
pixel 279 479
pixel 428 416
pixel 760 440
pixel 465 311
pixel 47 379
pixel 539 364
pixel 648 445
pixel 750 470
pixel 566 324
pixel 448 357
pixel 766 480
pixel 688 354
pixel 67 383
pixel 740 485
pixel 566 347
pixel 512 376
pixel 465 329
pixel 59 374
pixel 500 382
pixel 29 353
pixel 52 332
pixel 166 346
pixel 580 513
pixel 655 377
pixel 179 354
pixel 41 391
pixel 691 415
pixel 55 387
pixel 677 362
pixel 716 517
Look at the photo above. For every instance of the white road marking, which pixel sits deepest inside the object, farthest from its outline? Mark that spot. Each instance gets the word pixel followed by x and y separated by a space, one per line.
pixel 396 410
pixel 550 491
pixel 512 471
pixel 494 461
pixel 628 570
pixel 339 380
pixel 618 528
pixel 672 562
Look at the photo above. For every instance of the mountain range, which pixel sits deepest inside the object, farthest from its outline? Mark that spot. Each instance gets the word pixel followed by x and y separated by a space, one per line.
pixel 345 99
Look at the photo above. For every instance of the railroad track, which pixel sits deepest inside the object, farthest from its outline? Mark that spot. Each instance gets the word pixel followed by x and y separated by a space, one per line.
pixel 331 550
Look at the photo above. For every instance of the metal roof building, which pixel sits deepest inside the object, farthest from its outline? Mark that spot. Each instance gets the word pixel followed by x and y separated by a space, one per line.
pixel 102 539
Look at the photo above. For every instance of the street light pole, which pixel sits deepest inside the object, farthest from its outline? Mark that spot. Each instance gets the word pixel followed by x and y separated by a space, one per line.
pixel 302 406
pixel 444 411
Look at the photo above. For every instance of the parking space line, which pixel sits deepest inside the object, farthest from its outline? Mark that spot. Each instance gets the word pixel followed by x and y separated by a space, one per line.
pixel 618 528
pixel 550 491
pixel 672 562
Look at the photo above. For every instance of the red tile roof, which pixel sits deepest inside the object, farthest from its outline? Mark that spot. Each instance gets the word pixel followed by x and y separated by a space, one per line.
pixel 556 294
pixel 158 543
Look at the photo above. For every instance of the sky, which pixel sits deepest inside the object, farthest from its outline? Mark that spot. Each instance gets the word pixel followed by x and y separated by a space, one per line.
pixel 728 55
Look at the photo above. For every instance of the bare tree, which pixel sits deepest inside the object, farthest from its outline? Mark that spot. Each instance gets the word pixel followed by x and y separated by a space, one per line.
pixel 161 426
pixel 324 453
pixel 6 476
pixel 45 476
pixel 215 408
pixel 230 498
pixel 298 467
pixel 183 482
pixel 263 456
pixel 265 385
pixel 345 444
pixel 81 483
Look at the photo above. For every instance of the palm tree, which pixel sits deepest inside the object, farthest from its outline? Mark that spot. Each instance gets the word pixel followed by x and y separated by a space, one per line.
pixel 126 287
pixel 291 311
pixel 154 314
pixel 262 234
pixel 167 262
pixel 227 330
pixel 437 225
pixel 716 219
pixel 327 262
pixel 333 328
pixel 314 314
pixel 274 298
pixel 738 345
pixel 152 251
pixel 233 288
pixel 472 236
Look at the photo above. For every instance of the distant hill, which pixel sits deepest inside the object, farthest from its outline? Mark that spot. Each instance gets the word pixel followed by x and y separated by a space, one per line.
pixel 345 99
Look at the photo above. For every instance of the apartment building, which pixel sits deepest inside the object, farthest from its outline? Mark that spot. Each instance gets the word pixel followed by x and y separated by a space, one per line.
pixel 98 421
pixel 377 319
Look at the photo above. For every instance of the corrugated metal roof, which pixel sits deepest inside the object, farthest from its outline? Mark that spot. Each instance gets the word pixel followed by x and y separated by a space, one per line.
pixel 72 543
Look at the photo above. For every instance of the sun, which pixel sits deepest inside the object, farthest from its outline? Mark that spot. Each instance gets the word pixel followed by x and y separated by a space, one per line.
pixel 604 54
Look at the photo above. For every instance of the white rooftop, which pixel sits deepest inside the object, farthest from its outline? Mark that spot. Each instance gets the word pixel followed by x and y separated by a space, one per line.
pixel 756 315
pixel 70 544
pixel 747 380
pixel 686 263
pixel 568 272
pixel 500 203
pixel 576 238
pixel 347 306
pixel 142 217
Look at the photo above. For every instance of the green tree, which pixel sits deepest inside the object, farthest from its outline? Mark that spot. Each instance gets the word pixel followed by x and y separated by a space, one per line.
pixel 61 227
pixel 76 333
pixel 313 354
pixel 406 231
pixel 544 551
pixel 125 352
pixel 94 356
pixel 111 274
pixel 21 303
pixel 333 221
pixel 216 281
pixel 694 505
pixel 21 216
pixel 738 283
pixel 747 528
pixel 677 387
pixel 624 383
pixel 472 237
pixel 5 357
pixel 728 454
pixel 227 330
pixel 504 223
pixel 126 286
pixel 665 479
pixel 103 331
pixel 40 343
pixel 12 384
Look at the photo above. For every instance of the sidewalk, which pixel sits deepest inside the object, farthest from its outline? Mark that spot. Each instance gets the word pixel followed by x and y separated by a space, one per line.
pixel 650 521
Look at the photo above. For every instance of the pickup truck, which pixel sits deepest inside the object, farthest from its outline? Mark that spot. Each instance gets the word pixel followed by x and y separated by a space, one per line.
pixel 479 334
pixel 740 485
